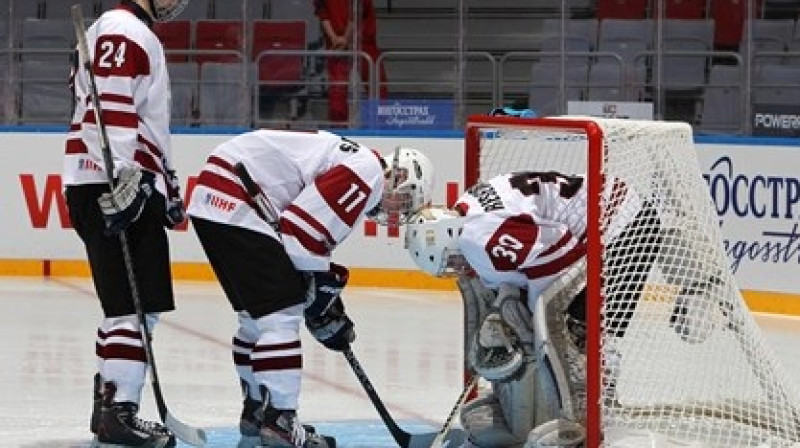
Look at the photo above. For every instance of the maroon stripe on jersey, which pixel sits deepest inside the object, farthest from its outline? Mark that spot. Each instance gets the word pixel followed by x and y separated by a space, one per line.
pixel 116 55
pixel 345 193
pixel 75 127
pixel 150 146
pixel 114 118
pixel 224 185
pixel 563 241
pixel 115 98
pixel 557 265
pixel 307 241
pixel 76 146
pixel 260 348
pixel 242 344
pixel 98 350
pixel 222 163
pixel 311 221
pixel 124 351
pixel 278 363
pixel 241 360
pixel 146 160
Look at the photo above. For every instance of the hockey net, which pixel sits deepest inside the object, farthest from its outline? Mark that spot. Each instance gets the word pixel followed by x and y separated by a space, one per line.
pixel 692 367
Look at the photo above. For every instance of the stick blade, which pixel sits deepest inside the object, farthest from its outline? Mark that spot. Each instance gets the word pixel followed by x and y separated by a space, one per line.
pixel 454 439
pixel 187 434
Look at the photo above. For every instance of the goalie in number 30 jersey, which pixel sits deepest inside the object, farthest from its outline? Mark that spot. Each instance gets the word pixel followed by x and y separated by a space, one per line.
pixel 269 208
pixel 512 240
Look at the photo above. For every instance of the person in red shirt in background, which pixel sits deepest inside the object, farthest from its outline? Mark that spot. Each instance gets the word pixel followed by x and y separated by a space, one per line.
pixel 336 18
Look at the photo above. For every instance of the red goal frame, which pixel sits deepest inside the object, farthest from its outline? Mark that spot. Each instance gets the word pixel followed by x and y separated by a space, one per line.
pixel 594 249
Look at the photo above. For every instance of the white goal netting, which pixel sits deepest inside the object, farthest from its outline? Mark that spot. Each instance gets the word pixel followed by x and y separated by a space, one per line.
pixel 682 359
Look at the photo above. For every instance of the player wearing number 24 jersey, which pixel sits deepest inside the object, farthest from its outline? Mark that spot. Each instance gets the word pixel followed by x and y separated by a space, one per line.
pixel 272 253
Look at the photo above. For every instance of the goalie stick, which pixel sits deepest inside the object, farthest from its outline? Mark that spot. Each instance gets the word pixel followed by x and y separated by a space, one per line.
pixel 442 439
pixel 188 434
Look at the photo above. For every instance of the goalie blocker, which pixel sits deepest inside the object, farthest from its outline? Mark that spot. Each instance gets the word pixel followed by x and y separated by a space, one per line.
pixel 535 375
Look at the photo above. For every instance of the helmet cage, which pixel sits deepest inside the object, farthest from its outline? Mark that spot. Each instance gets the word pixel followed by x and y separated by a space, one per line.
pixel 166 10
pixel 408 184
pixel 432 241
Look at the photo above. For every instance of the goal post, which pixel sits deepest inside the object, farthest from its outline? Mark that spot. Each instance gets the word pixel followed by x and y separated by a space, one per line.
pixel 672 352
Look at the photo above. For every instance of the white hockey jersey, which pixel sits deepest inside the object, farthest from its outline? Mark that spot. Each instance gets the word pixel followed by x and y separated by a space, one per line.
pixel 320 185
pixel 527 228
pixel 134 93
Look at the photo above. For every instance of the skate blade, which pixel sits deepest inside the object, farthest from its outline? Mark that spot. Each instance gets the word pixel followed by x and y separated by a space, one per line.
pixel 249 442
pixel 98 444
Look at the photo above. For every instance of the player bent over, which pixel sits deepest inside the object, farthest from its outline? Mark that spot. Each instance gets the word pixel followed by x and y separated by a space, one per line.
pixel 517 244
pixel 133 89
pixel 272 253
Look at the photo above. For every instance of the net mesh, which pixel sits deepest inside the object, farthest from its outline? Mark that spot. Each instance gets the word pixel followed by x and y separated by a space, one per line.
pixel 682 356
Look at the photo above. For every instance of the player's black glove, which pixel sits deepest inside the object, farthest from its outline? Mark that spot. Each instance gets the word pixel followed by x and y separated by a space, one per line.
pixel 175 213
pixel 124 203
pixel 324 288
pixel 333 328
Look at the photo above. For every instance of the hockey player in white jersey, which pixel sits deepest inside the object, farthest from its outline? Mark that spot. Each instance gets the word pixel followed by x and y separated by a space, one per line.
pixel 272 253
pixel 134 93
pixel 517 242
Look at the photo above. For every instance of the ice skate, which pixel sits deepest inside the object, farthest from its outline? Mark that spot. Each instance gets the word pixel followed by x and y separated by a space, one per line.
pixel 282 429
pixel 119 427
pixel 250 423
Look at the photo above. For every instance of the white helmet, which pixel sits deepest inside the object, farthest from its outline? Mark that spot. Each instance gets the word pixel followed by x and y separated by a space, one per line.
pixel 408 186
pixel 432 241
pixel 166 10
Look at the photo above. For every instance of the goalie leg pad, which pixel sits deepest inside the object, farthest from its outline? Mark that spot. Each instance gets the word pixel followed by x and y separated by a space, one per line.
pixel 484 420
pixel 477 299
pixel 556 433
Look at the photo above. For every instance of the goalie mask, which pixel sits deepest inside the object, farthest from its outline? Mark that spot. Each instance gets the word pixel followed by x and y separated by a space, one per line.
pixel 166 10
pixel 407 186
pixel 432 241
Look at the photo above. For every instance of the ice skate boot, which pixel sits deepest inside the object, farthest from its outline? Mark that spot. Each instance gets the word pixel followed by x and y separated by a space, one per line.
pixel 120 427
pixel 282 429
pixel 250 423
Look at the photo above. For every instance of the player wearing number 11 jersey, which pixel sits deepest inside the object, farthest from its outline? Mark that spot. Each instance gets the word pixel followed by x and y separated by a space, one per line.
pixel 272 253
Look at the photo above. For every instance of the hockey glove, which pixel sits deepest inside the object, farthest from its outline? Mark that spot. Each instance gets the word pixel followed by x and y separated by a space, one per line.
pixel 176 213
pixel 124 203
pixel 324 289
pixel 333 328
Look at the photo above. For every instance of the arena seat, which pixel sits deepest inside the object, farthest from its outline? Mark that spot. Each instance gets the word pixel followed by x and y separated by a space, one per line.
pixel 175 35
pixel 215 36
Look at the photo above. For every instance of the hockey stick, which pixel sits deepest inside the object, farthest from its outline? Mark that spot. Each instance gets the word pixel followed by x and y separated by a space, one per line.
pixel 442 439
pixel 191 435
pixel 439 441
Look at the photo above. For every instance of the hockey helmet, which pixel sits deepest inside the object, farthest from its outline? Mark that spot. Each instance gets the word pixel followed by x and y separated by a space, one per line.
pixel 166 10
pixel 408 186
pixel 432 241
